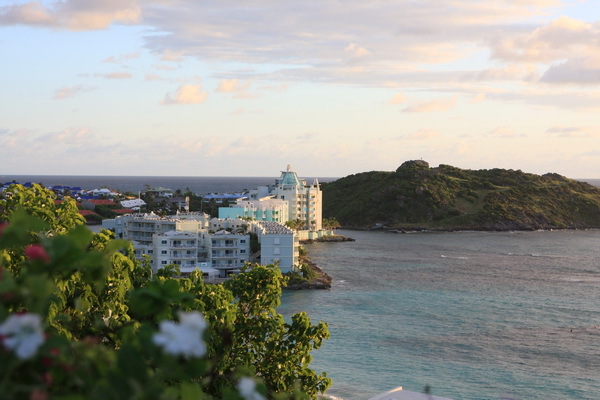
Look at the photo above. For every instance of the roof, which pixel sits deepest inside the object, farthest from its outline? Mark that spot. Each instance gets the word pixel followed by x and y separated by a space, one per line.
pixel 123 210
pixel 85 213
pixel 102 202
pixel 133 203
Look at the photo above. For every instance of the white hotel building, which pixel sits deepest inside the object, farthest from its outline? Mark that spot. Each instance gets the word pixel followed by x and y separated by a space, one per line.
pixel 192 240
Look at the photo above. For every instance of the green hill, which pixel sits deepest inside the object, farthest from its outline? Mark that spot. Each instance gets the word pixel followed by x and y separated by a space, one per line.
pixel 416 196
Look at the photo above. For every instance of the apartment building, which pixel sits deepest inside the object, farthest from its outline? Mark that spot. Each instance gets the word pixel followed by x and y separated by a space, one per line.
pixel 305 202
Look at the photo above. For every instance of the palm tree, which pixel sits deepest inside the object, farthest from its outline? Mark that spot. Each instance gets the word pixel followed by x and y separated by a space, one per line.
pixel 296 224
pixel 331 223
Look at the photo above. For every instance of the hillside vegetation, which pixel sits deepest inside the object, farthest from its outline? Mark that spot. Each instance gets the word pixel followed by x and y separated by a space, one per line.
pixel 416 196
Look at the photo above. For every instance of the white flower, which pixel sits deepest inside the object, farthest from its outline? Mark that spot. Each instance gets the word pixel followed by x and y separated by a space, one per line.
pixel 23 334
pixel 183 338
pixel 247 388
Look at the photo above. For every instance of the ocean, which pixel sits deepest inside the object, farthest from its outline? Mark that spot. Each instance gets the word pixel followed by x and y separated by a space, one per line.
pixel 472 315
pixel 199 185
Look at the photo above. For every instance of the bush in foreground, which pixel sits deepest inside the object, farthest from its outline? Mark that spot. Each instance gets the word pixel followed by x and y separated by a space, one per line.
pixel 81 319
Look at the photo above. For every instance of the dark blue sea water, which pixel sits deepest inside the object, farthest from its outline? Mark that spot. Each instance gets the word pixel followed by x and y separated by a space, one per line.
pixel 474 315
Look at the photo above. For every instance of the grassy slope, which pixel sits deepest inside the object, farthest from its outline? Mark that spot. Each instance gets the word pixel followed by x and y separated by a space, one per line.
pixel 416 196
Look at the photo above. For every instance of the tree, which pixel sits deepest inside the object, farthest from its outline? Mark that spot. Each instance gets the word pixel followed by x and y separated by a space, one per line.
pixel 81 318
pixel 331 223
pixel 295 224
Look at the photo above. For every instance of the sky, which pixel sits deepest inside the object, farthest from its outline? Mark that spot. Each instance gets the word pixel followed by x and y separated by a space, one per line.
pixel 330 87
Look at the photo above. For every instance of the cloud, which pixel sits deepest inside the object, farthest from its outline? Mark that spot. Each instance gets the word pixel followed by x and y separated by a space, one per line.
pixel 398 98
pixel 227 85
pixel 122 57
pixel 505 132
pixel 115 75
pixel 74 136
pixel 172 56
pixel 77 15
pixel 185 94
pixel 239 89
pixel 356 51
pixel 573 131
pixel 561 38
pixel 153 77
pixel 68 92
pixel 432 106
pixel 512 72
pixel 424 134
pixel 165 67
pixel 317 40
pixel 577 71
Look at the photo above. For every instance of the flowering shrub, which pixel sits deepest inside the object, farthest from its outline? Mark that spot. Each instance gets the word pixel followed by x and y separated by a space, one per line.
pixel 81 319
pixel 23 334
pixel 183 338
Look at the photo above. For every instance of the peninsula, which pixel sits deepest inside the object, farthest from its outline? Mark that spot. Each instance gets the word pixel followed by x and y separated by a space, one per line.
pixel 418 197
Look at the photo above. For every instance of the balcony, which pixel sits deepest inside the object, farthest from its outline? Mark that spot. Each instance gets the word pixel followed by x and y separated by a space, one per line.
pixel 183 246
pixel 223 245
pixel 184 256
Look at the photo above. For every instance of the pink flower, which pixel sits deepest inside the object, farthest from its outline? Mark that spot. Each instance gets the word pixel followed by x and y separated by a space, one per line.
pixel 37 252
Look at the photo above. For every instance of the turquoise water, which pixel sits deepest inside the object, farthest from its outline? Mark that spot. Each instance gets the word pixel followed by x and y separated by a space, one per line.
pixel 472 315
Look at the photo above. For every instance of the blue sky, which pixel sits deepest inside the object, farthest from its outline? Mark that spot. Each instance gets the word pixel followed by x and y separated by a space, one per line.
pixel 209 88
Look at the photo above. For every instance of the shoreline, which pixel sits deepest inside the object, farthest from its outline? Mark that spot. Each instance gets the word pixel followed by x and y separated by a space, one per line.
pixel 322 279
pixel 422 229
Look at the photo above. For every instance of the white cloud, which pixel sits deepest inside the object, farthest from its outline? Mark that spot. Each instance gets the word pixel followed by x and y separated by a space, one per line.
pixel 424 134
pixel 574 131
pixel 505 132
pixel 356 51
pixel 398 98
pixel 573 71
pixel 431 106
pixel 115 75
pixel 68 92
pixel 77 15
pixel 122 57
pixel 185 94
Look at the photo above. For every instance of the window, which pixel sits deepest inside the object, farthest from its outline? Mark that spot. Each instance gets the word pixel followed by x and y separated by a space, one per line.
pixel 242 251
pixel 242 240
pixel 164 262
pixel 163 242
pixel 150 251
pixel 276 240
pixel 163 252
pixel 276 250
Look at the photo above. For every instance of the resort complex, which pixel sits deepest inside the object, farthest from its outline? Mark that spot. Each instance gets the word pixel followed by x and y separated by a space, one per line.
pixel 264 226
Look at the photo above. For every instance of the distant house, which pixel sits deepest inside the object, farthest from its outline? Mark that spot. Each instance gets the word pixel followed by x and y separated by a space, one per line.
pixel 134 204
pixel 159 192
pixel 103 192
pixel 122 211
pixel 221 197
pixel 91 204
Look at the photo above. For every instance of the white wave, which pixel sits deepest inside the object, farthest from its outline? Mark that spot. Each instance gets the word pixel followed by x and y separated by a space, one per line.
pixel 455 257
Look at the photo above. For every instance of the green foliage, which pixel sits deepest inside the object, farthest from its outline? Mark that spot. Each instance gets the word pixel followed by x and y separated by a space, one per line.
pixel 446 197
pixel 102 316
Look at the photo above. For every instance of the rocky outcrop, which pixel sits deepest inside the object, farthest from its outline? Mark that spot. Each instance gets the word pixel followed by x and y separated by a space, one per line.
pixel 321 281
pixel 328 239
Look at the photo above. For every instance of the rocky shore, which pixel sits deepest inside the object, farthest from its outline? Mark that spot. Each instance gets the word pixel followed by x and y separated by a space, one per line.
pixel 321 280
pixel 328 239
